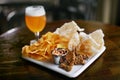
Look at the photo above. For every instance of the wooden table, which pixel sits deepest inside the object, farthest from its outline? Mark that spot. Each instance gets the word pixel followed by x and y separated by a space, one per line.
pixel 13 67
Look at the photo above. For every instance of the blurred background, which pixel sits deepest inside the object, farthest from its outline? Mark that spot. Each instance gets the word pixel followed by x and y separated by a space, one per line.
pixel 105 11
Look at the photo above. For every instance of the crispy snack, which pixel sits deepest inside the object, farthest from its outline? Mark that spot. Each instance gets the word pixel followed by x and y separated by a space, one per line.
pixel 90 43
pixel 67 61
pixel 41 50
pixel 97 37
pixel 69 36
pixel 74 41
pixel 68 29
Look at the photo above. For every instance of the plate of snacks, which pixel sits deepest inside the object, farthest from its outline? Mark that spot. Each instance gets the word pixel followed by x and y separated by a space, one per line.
pixel 68 50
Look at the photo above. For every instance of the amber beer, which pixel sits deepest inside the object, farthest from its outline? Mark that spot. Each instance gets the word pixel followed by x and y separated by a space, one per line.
pixel 35 18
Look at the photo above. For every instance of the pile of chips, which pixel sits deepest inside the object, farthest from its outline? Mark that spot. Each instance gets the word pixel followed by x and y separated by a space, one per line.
pixel 41 50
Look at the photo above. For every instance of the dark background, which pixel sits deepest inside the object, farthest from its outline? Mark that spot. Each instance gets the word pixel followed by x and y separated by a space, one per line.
pixel 105 11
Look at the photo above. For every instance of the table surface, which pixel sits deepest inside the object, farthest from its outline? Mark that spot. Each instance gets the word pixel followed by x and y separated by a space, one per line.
pixel 13 67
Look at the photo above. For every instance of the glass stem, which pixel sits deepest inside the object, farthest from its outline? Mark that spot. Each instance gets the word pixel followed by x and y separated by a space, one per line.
pixel 37 35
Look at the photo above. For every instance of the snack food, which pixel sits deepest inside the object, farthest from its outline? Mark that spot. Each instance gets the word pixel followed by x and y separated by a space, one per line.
pixel 67 61
pixel 70 36
pixel 41 50
pixel 82 45
pixel 68 29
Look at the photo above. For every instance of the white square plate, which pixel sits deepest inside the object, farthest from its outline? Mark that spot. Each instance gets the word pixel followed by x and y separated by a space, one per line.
pixel 76 70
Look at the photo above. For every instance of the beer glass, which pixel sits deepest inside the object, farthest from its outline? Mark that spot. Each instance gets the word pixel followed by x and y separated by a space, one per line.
pixel 35 19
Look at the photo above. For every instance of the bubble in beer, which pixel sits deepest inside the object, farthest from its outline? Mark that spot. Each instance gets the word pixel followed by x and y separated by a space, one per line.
pixel 35 11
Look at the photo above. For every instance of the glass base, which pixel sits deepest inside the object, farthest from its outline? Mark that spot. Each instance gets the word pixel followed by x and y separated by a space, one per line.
pixel 32 42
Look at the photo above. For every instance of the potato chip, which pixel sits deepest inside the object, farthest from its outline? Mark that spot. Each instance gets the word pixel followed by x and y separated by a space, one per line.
pixel 41 50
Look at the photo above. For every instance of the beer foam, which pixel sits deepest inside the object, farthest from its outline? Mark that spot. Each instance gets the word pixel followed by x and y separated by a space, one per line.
pixel 35 11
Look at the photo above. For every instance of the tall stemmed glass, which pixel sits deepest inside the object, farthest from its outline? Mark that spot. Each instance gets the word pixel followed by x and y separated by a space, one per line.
pixel 35 19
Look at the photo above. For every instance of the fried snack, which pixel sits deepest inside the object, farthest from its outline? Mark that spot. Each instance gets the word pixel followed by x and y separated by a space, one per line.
pixel 97 37
pixel 70 36
pixel 68 29
pixel 74 41
pixel 41 50
pixel 80 58
pixel 90 43
pixel 67 62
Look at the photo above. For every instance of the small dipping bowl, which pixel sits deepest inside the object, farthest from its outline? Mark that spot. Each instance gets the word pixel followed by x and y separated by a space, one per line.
pixel 58 53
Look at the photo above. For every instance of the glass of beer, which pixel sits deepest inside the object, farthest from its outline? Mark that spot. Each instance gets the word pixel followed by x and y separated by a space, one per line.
pixel 35 19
